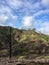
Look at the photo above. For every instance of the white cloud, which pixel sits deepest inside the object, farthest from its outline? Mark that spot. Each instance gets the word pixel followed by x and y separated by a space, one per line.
pixel 45 28
pixel 41 12
pixel 14 3
pixel 41 24
pixel 10 24
pixel 13 20
pixel 6 13
pixel 14 17
pixel 27 21
pixel 4 9
pixel 25 7
pixel 28 8
pixel 31 6
pixel 3 19
pixel 45 3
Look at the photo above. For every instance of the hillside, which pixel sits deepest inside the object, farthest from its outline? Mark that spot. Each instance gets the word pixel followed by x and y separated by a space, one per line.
pixel 25 43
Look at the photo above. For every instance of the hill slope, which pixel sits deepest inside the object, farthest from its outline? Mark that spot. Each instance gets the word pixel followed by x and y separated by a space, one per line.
pixel 25 43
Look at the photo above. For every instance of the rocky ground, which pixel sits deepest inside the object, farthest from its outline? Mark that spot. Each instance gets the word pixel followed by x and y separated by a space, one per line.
pixel 14 61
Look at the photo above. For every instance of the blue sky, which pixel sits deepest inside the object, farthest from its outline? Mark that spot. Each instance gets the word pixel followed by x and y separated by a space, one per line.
pixel 25 14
